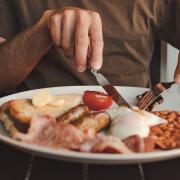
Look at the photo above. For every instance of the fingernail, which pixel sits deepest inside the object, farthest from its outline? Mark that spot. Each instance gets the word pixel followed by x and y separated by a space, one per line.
pixel 81 68
pixel 177 78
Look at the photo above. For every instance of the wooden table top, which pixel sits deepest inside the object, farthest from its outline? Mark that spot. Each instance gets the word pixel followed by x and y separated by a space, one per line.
pixel 18 165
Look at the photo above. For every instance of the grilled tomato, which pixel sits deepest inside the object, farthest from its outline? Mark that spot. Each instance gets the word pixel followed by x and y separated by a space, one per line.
pixel 97 100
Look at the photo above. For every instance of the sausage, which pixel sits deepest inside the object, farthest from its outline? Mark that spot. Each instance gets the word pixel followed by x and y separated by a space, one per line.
pixel 96 121
pixel 74 114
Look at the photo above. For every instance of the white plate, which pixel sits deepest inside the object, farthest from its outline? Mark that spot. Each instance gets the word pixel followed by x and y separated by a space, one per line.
pixel 172 101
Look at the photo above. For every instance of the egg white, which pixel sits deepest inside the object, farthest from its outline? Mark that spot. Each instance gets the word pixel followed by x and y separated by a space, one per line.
pixel 127 122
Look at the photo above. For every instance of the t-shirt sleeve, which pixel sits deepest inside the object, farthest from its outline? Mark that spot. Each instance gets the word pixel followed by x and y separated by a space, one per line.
pixel 168 22
pixel 8 24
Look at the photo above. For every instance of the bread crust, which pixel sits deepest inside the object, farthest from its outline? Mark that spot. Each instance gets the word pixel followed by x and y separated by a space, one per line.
pixel 22 110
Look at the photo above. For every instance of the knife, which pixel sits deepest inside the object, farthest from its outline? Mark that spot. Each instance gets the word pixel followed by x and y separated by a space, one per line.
pixel 110 89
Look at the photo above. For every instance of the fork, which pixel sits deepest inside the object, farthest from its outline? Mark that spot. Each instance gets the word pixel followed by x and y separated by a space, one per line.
pixel 153 94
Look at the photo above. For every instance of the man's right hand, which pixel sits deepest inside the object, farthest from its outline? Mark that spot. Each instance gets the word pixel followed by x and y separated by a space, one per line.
pixel 78 33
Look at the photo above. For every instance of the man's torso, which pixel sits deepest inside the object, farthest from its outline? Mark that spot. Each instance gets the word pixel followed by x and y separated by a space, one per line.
pixel 128 37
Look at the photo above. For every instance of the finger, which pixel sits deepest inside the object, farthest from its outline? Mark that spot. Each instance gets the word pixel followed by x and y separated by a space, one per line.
pixel 177 71
pixel 81 40
pixel 96 40
pixel 68 30
pixel 2 40
pixel 69 8
pixel 55 28
pixel 89 50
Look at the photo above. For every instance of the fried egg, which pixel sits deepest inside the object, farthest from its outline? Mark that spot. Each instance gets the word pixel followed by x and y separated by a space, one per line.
pixel 127 122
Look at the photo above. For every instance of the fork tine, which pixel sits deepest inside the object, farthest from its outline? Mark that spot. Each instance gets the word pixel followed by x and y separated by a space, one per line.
pixel 145 102
pixel 144 99
pixel 149 97
pixel 153 94
pixel 149 103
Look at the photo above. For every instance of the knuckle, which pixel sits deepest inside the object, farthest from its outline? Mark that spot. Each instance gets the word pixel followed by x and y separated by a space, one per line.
pixel 69 53
pixel 47 12
pixel 54 18
pixel 65 45
pixel 64 10
pixel 82 17
pixel 67 12
pixel 95 16
pixel 81 39
pixel 98 42
pixel 98 54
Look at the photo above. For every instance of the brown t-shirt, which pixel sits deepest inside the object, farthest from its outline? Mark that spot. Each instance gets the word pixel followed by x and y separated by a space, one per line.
pixel 130 28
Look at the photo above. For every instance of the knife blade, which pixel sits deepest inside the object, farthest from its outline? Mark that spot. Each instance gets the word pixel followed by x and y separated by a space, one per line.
pixel 110 89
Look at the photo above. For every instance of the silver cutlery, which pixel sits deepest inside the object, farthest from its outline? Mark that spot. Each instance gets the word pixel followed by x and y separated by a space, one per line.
pixel 110 89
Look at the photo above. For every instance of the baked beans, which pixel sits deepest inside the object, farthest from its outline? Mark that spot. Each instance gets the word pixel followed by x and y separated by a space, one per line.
pixel 167 136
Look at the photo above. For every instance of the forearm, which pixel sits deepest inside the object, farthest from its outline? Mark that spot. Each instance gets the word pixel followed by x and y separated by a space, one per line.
pixel 19 55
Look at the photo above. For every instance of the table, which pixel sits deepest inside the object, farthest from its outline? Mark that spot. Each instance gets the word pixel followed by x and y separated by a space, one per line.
pixel 18 165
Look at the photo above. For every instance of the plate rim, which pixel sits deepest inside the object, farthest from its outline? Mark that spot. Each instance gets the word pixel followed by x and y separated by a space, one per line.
pixel 98 158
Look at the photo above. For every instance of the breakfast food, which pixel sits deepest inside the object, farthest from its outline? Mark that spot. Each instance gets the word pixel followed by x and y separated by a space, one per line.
pixel 41 98
pixel 97 100
pixel 128 122
pixel 84 123
pixel 22 111
pixel 158 101
pixel 167 136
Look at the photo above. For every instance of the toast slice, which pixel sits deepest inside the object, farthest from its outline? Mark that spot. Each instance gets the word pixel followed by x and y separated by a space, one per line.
pixel 7 119
pixel 21 111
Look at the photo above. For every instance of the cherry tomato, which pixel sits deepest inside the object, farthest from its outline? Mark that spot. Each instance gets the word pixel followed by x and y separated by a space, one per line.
pixel 97 100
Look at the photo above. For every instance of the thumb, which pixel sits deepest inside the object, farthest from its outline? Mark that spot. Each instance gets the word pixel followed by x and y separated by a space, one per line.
pixel 177 71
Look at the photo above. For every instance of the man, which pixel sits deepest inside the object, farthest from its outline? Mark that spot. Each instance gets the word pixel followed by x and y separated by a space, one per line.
pixel 43 41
